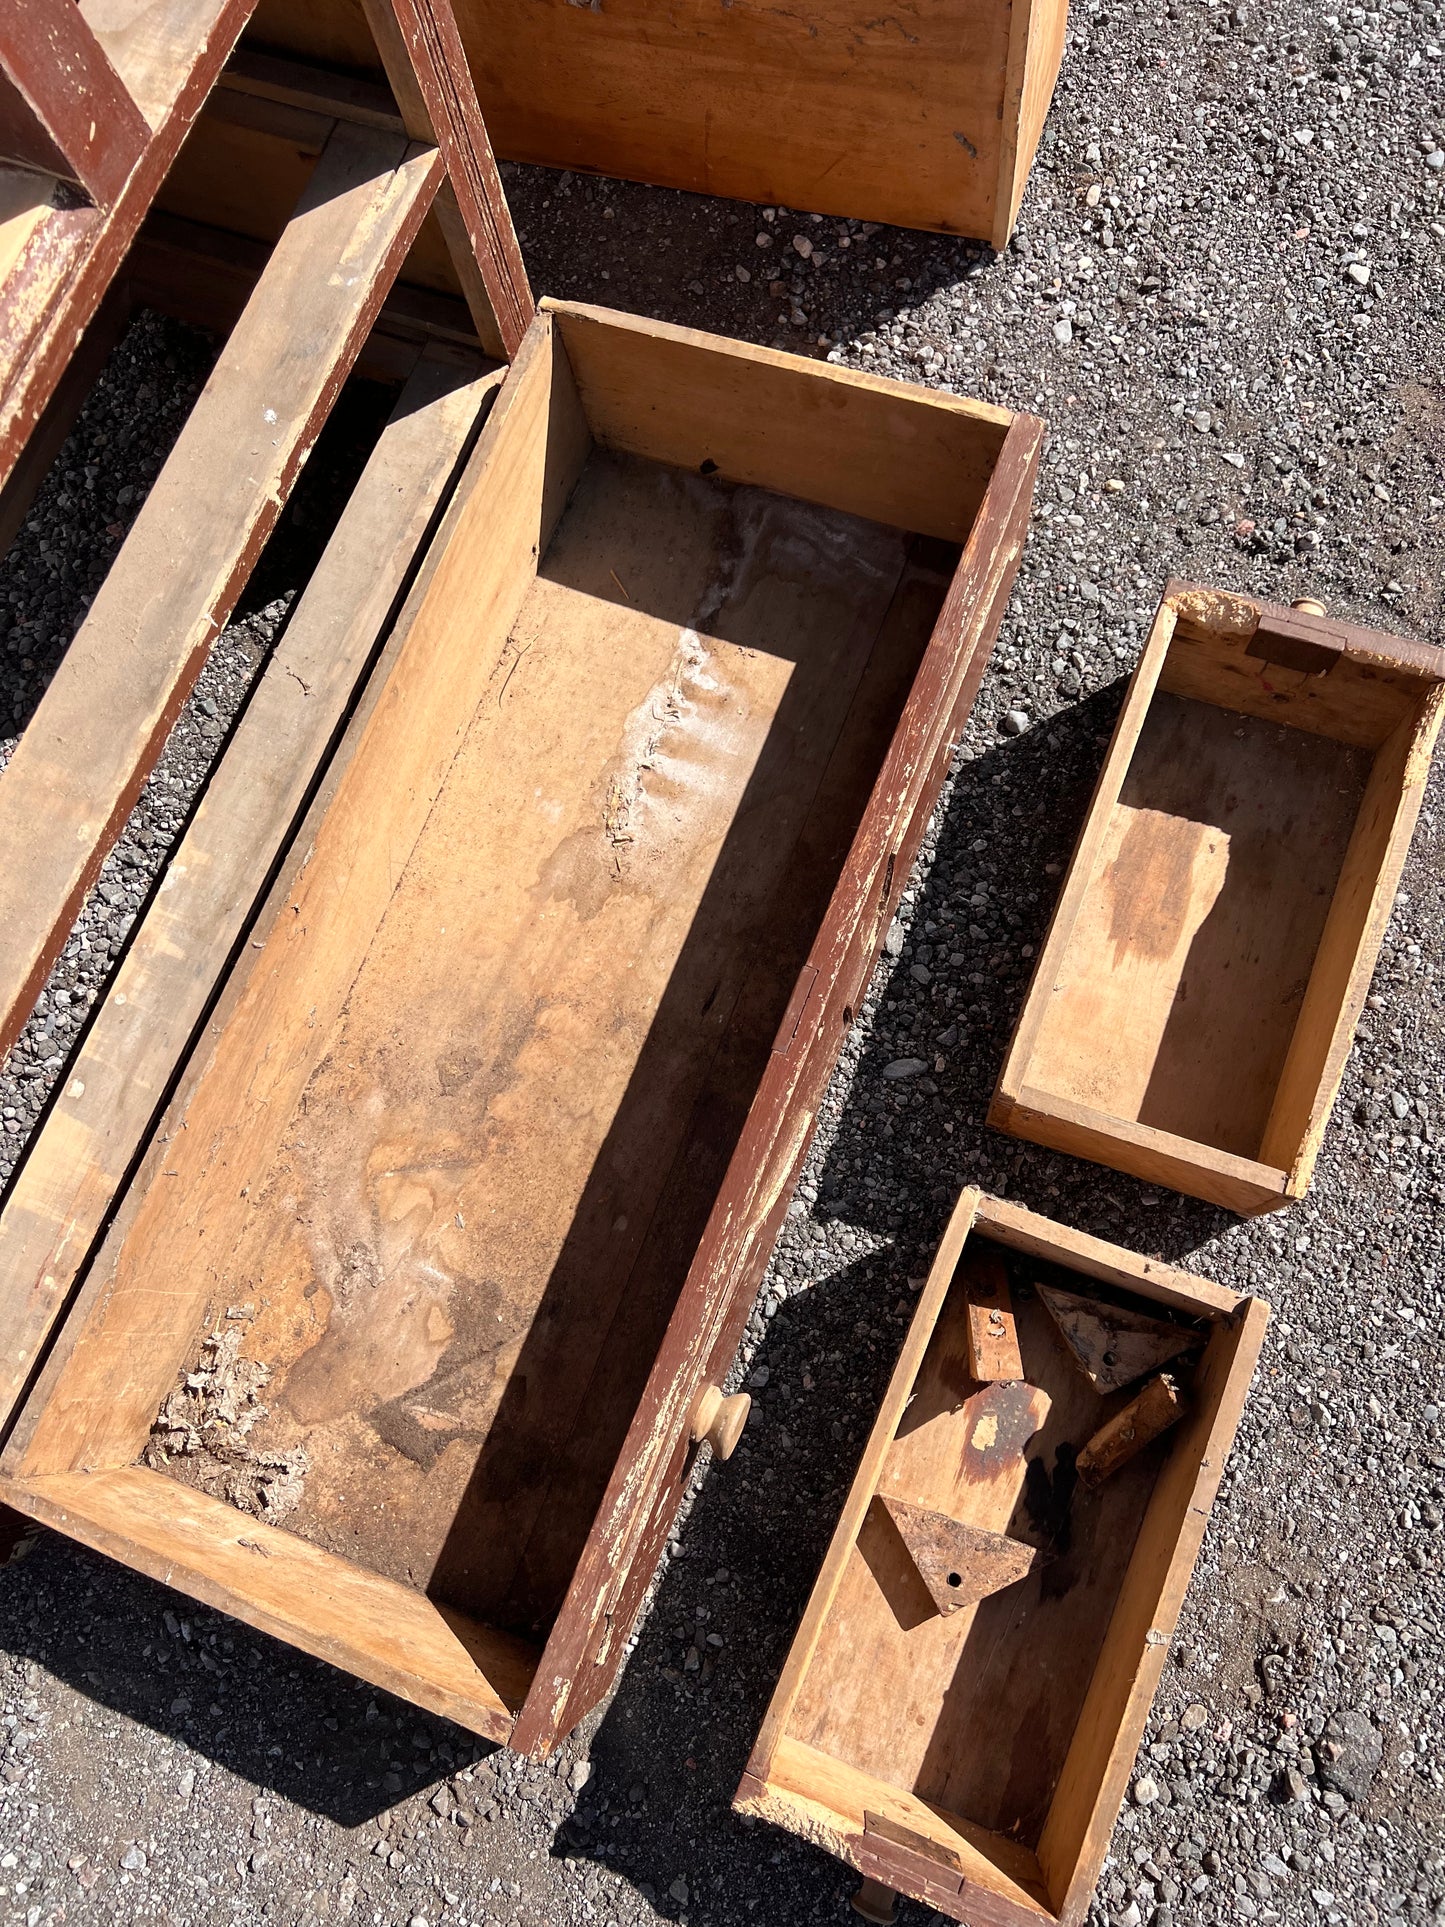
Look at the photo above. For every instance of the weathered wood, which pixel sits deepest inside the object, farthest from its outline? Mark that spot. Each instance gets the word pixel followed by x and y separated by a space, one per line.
pixel 423 56
pixel 993 1345
pixel 722 935
pixel 1192 1006
pixel 959 1563
pixel 105 717
pixel 1114 1344
pixel 718 1422
pixel 63 107
pixel 643 1495
pixel 928 119
pixel 1160 1405
pixel 976 1760
pixel 168 60
pixel 60 1197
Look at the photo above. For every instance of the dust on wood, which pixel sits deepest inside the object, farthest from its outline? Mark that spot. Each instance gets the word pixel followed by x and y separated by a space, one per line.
pixel 202 1433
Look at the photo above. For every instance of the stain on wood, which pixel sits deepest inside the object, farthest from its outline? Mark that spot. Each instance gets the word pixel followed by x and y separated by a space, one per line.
pixel 1114 1344
pixel 975 1759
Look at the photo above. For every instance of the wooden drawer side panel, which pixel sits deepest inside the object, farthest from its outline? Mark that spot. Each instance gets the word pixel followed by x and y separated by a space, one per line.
pixel 1091 1787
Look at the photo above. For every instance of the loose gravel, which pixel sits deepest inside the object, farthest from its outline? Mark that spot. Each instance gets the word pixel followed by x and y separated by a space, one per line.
pixel 1226 295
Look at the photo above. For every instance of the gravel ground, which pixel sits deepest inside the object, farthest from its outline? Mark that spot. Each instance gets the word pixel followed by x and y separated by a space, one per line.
pixel 1226 295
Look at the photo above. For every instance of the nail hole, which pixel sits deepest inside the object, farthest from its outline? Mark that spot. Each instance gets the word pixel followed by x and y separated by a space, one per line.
pixel 709 467
pixel 955 1579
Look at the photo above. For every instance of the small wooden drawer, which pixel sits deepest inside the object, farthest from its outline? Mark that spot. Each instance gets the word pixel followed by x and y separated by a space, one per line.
pixel 1193 1007
pixel 471 1177
pixel 975 1756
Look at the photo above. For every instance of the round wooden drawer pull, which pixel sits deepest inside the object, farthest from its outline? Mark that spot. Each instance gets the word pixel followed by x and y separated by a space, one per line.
pixel 719 1421
pixel 875 1901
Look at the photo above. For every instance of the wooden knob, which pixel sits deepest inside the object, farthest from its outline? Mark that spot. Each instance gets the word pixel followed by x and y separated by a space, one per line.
pixel 719 1421
pixel 875 1901
pixel 1309 606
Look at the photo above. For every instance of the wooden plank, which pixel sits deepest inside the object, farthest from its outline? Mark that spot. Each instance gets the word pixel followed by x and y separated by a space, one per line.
pixel 865 1484
pixel 1157 1157
pixel 385 1633
pixel 1020 1229
pixel 733 1253
pixel 295 83
pixel 63 107
pixel 993 1345
pixel 118 1350
pixel 1158 1406
pixel 423 56
pixel 104 718
pixel 70 396
pixel 56 1207
pixel 757 415
pixel 168 58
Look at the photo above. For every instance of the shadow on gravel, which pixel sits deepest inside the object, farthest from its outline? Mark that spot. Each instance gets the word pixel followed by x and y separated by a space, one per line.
pixel 668 1754
pixel 285 1723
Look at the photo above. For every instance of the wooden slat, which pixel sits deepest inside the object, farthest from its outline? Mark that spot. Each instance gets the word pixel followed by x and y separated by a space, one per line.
pixel 422 52
pixel 168 59
pixel 125 1065
pixel 295 83
pixel 63 107
pixel 104 718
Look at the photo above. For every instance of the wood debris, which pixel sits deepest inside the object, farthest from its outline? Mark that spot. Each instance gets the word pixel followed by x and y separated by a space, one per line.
pixel 959 1563
pixel 201 1432
pixel 1142 1420
pixel 993 1345
pixel 1115 1346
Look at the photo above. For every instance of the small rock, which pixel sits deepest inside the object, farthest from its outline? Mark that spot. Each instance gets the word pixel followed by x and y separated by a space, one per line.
pixel 579 1776
pixel 133 1860
pixel 1359 274
pixel 1014 722
pixel 1193 1717
pixel 678 1890
pixel 1348 1756
pixel 1146 1791
pixel 802 245
pixel 1290 1784
pixel 893 942
pixel 1436 159
pixel 902 1067
pixel 1064 332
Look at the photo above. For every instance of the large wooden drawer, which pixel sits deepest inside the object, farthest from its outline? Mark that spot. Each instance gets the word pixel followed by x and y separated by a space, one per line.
pixel 976 1757
pixel 925 118
pixel 472 1173
pixel 1192 1009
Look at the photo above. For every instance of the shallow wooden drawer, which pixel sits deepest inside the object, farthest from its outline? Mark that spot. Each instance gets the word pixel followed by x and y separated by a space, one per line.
pixel 484 1150
pixel 1193 1007
pixel 976 1758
